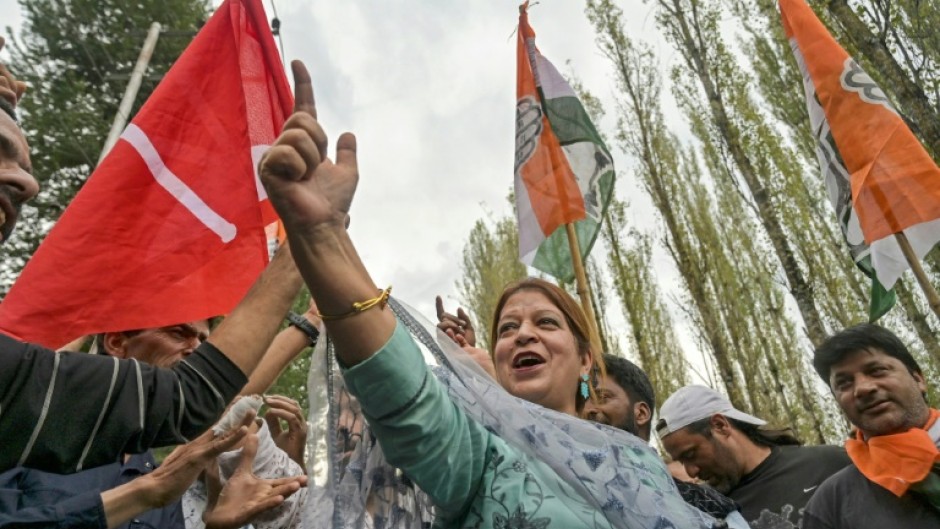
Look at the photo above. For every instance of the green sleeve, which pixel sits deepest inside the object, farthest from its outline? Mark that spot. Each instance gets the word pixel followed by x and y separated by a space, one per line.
pixel 419 428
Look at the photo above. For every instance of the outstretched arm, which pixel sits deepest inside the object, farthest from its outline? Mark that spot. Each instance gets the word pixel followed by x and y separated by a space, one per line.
pixel 287 345
pixel 312 194
pixel 247 332
pixel 174 476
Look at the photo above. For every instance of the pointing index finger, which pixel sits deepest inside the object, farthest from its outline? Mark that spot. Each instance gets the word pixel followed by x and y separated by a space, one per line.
pixel 439 303
pixel 303 89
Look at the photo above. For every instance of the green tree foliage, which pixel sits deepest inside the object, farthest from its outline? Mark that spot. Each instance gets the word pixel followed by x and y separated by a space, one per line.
pixel 652 333
pixel 714 236
pixel 293 380
pixel 752 155
pixel 643 135
pixel 490 261
pixel 76 56
pixel 779 84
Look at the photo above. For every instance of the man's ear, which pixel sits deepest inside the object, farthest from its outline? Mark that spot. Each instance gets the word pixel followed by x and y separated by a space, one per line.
pixel 720 425
pixel 920 381
pixel 114 344
pixel 642 414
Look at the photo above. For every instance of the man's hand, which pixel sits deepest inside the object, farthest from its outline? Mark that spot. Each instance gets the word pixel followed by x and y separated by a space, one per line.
pixel 186 462
pixel 10 89
pixel 306 187
pixel 460 330
pixel 459 327
pixel 172 478
pixel 245 495
pixel 293 440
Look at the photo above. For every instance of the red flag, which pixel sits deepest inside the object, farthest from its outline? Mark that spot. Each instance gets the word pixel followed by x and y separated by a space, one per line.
pixel 170 227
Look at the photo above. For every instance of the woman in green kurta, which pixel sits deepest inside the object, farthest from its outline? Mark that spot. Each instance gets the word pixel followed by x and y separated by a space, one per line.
pixel 480 469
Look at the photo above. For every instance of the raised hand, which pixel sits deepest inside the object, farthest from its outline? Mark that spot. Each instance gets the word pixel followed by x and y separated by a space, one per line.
pixel 459 327
pixel 460 330
pixel 293 440
pixel 305 186
pixel 187 461
pixel 245 495
pixel 10 89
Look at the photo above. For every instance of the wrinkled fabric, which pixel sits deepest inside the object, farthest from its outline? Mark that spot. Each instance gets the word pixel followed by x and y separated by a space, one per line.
pixel 600 469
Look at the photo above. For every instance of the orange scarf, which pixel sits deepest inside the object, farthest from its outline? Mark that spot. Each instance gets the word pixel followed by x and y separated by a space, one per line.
pixel 896 461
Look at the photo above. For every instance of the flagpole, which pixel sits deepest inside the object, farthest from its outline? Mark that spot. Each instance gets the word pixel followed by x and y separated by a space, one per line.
pixel 127 103
pixel 584 291
pixel 933 298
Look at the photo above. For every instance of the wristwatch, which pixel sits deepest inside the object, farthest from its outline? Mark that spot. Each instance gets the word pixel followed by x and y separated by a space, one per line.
pixel 305 326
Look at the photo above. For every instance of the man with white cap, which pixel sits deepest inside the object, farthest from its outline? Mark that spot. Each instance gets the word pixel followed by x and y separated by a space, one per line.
pixel 766 471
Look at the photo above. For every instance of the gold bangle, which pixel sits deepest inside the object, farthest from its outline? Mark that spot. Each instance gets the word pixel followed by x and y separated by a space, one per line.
pixel 361 306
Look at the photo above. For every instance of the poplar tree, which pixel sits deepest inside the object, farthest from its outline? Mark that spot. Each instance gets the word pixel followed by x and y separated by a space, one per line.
pixel 490 261
pixel 736 304
pixel 780 86
pixel 652 333
pixel 643 135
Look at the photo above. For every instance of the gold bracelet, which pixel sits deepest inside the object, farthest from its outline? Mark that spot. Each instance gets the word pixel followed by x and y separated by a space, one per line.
pixel 361 306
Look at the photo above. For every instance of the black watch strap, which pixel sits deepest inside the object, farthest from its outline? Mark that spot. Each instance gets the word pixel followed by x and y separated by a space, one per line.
pixel 304 325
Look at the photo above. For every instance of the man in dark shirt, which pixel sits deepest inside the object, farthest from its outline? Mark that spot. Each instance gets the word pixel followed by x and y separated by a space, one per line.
pixel 36 491
pixel 68 412
pixel 894 480
pixel 765 471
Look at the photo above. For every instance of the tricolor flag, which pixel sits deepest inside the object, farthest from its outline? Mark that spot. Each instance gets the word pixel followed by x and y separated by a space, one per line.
pixel 170 227
pixel 880 179
pixel 563 172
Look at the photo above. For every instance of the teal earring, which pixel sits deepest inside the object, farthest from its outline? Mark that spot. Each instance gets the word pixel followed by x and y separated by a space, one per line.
pixel 584 386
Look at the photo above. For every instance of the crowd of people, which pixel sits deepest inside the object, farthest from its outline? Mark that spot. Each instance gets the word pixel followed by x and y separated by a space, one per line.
pixel 542 431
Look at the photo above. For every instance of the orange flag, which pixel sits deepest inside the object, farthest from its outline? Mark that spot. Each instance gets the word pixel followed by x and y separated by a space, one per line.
pixel 563 171
pixel 867 152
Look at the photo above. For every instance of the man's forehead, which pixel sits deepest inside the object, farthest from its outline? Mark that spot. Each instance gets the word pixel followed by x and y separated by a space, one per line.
pixel 11 129
pixel 200 326
pixel 679 442
pixel 610 384
pixel 860 358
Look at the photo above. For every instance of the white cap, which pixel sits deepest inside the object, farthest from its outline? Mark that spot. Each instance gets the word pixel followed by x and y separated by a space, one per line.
pixel 694 403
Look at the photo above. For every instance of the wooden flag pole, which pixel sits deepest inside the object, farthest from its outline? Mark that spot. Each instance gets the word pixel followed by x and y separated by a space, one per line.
pixel 127 103
pixel 933 298
pixel 584 291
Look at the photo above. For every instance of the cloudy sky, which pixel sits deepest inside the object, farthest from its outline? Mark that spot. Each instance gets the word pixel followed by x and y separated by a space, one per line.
pixel 429 89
